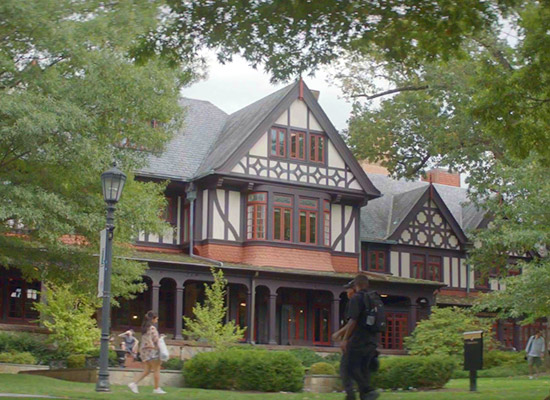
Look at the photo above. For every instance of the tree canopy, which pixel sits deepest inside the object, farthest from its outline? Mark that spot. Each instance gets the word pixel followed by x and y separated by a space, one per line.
pixel 72 100
pixel 289 38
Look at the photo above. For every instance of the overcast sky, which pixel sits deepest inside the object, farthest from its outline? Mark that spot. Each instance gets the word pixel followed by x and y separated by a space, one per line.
pixel 233 86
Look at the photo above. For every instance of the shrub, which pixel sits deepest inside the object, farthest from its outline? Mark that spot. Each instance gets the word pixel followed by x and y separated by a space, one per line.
pixel 236 369
pixel 443 332
pixel 113 357
pixel 76 361
pixel 322 368
pixel 333 358
pixel 307 357
pixel 173 363
pixel 17 358
pixel 25 342
pixel 498 358
pixel 426 372
pixel 496 372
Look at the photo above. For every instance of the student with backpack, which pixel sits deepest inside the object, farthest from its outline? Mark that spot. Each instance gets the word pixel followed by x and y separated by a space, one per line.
pixel 360 339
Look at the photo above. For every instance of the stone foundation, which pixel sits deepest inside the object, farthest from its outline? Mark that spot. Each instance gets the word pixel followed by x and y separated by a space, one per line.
pixel 322 384
pixel 6 368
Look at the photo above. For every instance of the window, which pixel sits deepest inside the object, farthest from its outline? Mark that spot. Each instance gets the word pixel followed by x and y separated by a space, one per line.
pixel 282 218
pixel 418 266
pixel 171 211
pixel 298 145
pixel 316 148
pixel 256 212
pixel 377 261
pixel 278 142
pixel 21 298
pixel 434 269
pixel 430 271
pixel 308 220
pixel 186 222
pixel 396 331
pixel 326 222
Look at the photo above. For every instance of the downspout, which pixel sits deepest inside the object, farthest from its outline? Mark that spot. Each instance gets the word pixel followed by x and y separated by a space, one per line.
pixel 191 194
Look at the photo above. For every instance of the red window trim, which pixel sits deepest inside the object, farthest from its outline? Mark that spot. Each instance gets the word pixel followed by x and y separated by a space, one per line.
pixel 256 205
pixel 326 234
pixel 397 322
pixel 419 262
pixel 425 262
pixel 318 156
pixel 277 142
pixel 294 152
pixel 282 217
pixel 308 226
pixel 321 306
pixel 379 254
pixel 430 267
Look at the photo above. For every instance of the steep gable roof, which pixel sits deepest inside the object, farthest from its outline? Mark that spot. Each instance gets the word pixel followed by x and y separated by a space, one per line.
pixel 190 145
pixel 381 217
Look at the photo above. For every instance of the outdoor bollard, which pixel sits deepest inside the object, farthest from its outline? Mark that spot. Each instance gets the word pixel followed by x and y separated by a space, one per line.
pixel 473 355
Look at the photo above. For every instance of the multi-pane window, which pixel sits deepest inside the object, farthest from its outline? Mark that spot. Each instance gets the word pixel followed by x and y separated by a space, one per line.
pixel 422 270
pixel 278 142
pixel 377 260
pixel 298 145
pixel 282 218
pixel 418 266
pixel 326 222
pixel 433 272
pixel 256 216
pixel 316 148
pixel 308 220
pixel 171 211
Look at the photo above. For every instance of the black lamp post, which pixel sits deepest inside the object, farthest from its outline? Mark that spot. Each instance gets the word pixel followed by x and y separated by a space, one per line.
pixel 113 182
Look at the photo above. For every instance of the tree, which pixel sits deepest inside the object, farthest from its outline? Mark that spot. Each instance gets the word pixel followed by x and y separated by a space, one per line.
pixel 70 320
pixel 288 38
pixel 72 100
pixel 442 333
pixel 208 323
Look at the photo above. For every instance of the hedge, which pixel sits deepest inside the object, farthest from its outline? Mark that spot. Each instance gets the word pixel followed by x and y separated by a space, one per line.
pixel 499 358
pixel 23 342
pixel 307 356
pixel 322 368
pixel 17 358
pixel 173 364
pixel 419 372
pixel 76 361
pixel 237 369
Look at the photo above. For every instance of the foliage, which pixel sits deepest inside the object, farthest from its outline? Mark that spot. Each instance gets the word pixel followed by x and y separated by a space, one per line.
pixel 261 370
pixel 76 361
pixel 504 371
pixel 22 342
pixel 72 100
pixel 442 333
pixel 289 38
pixel 498 358
pixel 69 317
pixel 113 357
pixel 426 372
pixel 322 368
pixel 17 358
pixel 208 323
pixel 173 363
pixel 307 357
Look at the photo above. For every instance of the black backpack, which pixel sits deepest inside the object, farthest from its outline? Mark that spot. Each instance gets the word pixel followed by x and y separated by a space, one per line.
pixel 375 313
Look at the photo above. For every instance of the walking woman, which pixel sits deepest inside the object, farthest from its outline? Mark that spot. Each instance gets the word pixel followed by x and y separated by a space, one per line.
pixel 149 352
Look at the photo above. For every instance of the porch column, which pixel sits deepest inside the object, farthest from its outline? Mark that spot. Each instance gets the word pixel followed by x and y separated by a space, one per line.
pixel 335 314
pixel 250 318
pixel 155 290
pixel 272 317
pixel 412 317
pixel 179 313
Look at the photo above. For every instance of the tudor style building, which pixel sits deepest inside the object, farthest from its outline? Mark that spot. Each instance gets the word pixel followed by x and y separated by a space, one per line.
pixel 272 195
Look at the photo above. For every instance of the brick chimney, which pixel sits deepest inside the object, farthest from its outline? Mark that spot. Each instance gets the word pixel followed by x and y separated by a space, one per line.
pixel 442 176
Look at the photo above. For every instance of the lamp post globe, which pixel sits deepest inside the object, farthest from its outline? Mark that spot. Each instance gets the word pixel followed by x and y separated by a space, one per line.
pixel 112 182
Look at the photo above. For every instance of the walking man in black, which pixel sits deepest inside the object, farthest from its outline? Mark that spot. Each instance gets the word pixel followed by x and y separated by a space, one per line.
pixel 358 344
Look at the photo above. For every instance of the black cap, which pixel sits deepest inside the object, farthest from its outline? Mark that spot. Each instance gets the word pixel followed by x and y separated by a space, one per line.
pixel 350 284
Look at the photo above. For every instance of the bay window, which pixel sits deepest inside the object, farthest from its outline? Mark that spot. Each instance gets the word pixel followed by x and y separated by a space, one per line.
pixel 377 261
pixel 256 216
pixel 282 218
pixel 308 220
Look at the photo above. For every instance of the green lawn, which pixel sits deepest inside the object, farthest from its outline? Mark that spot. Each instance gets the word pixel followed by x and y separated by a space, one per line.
pixel 489 389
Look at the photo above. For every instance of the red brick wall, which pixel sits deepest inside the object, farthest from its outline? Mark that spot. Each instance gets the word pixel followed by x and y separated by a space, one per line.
pixel 442 177
pixel 345 264
pixel 280 257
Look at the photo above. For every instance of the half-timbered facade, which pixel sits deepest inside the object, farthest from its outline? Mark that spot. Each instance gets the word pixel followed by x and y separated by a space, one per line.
pixel 272 195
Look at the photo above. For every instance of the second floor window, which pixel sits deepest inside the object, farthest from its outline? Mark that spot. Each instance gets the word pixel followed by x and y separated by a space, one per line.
pixel 171 211
pixel 326 222
pixel 316 148
pixel 421 270
pixel 298 145
pixel 256 216
pixel 282 218
pixel 278 142
pixel 308 220
pixel 377 261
